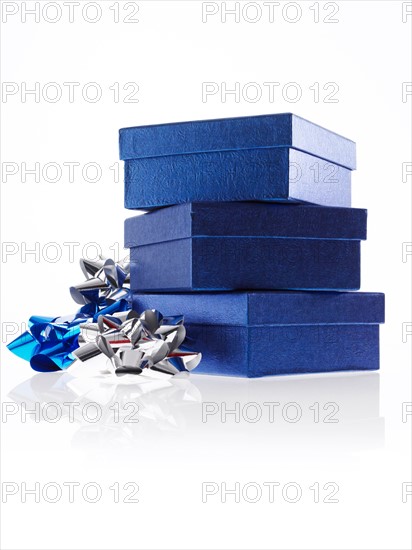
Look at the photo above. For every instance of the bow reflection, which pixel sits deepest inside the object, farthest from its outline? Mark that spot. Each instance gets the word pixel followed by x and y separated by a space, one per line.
pixel 109 409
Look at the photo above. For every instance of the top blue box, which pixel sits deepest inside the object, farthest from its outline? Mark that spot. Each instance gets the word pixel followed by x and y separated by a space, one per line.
pixel 230 134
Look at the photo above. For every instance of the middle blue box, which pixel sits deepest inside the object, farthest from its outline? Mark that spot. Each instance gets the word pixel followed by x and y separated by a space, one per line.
pixel 235 246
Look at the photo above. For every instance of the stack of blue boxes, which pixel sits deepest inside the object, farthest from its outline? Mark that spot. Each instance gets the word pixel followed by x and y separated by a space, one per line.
pixel 251 236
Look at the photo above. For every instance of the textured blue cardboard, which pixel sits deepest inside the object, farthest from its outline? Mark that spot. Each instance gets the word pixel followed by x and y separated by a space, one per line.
pixel 236 246
pixel 238 263
pixel 245 219
pixel 269 308
pixel 266 174
pixel 278 130
pixel 267 333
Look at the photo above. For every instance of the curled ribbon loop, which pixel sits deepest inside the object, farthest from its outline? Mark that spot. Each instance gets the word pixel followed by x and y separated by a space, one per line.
pixel 106 325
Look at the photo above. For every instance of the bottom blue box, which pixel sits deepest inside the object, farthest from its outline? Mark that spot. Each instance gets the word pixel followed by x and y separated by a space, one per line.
pixel 254 334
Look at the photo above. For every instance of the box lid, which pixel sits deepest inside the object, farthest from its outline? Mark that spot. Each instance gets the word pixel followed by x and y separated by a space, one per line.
pixel 269 307
pixel 245 219
pixel 276 130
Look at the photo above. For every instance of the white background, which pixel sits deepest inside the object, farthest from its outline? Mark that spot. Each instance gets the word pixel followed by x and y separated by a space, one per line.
pixel 170 452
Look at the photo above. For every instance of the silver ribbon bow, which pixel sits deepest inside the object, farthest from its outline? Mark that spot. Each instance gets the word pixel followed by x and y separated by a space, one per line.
pixel 133 342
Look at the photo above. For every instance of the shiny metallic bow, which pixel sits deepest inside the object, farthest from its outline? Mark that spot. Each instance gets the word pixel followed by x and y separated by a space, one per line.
pixel 134 342
pixel 106 324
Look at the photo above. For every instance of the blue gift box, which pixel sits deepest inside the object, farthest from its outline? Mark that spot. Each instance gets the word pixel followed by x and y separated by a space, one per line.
pixel 229 246
pixel 278 157
pixel 263 174
pixel 256 334
pixel 229 134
